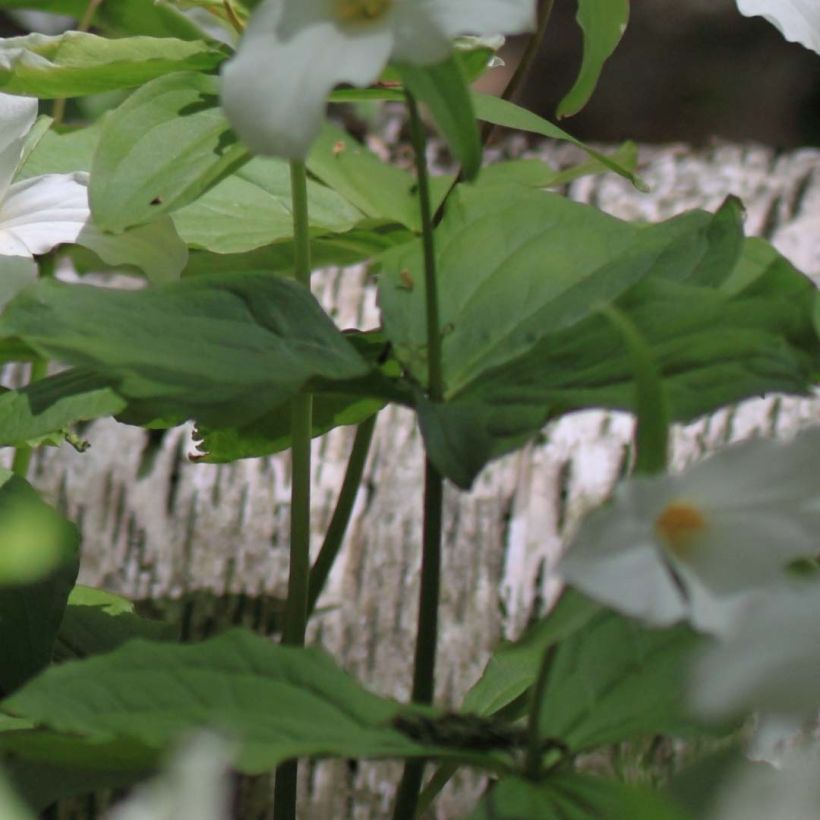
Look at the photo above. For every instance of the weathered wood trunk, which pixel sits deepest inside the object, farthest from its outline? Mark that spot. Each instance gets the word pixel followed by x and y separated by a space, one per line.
pixel 158 527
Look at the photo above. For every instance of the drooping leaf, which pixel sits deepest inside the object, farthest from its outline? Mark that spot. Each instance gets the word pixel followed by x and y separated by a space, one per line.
pixel 163 147
pixel 443 88
pixel 571 796
pixel 38 567
pixel 76 63
pixel 222 349
pixel 276 702
pixel 603 23
pixel 503 112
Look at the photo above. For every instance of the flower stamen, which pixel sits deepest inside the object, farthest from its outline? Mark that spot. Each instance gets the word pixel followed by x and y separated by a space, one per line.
pixel 679 525
pixel 361 11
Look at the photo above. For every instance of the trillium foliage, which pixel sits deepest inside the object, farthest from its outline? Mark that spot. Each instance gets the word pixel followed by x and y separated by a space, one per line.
pixel 704 544
pixel 798 20
pixel 294 52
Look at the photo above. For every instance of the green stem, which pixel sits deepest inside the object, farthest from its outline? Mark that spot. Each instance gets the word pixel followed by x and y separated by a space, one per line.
pixel 341 515
pixel 532 763
pixel 427 630
pixel 301 426
pixel 22 454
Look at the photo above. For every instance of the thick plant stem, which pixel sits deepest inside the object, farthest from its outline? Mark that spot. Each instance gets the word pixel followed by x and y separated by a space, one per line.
pixel 427 631
pixel 284 799
pixel 341 515
pixel 22 454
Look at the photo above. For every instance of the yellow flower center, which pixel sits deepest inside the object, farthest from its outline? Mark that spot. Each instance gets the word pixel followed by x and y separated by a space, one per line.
pixel 678 526
pixel 361 11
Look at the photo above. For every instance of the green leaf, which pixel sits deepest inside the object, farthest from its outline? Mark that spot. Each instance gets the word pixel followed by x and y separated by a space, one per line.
pixel 252 209
pixel 380 191
pixel 508 114
pixel 616 680
pixel 522 339
pixel 277 702
pixel 61 153
pixel 40 561
pixel 221 349
pixel 123 17
pixel 97 621
pixel 603 23
pixel 75 63
pixel 54 404
pixel 272 433
pixel 571 796
pixel 513 667
pixel 162 148
pixel 12 806
pixel 443 88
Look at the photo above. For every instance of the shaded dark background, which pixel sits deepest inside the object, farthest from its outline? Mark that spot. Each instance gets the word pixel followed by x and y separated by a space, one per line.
pixel 686 70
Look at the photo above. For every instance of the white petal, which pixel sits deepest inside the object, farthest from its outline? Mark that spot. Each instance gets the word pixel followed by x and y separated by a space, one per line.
pixel 274 90
pixel 798 20
pixel 750 548
pixel 772 664
pixel 757 474
pixel 42 212
pixel 17 115
pixel 419 38
pixel 481 17
pixel 614 559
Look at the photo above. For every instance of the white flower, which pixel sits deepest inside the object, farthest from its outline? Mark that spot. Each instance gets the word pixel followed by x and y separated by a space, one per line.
pixel 40 213
pixel 294 52
pixel 702 545
pixel 798 20
pixel 772 664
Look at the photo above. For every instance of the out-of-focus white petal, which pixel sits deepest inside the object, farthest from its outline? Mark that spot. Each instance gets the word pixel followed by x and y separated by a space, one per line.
pixel 17 115
pixel 798 20
pixel 42 212
pixel 195 786
pixel 481 17
pixel 771 664
pixel 274 89
pixel 761 792
pixel 614 559
pixel 419 40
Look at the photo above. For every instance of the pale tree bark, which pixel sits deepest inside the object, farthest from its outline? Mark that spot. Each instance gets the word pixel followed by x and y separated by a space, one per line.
pixel 156 526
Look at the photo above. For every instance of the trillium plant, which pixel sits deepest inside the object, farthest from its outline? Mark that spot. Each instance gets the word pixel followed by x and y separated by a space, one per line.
pixel 156 267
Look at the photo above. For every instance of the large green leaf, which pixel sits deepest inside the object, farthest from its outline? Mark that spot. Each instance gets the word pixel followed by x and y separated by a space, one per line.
pixel 162 148
pixel 603 23
pixel 571 796
pixel 12 806
pixel 522 275
pixel 53 404
pixel 443 88
pixel 224 349
pixel 38 568
pixel 75 63
pixel 278 702
pixel 252 209
pixel 615 680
